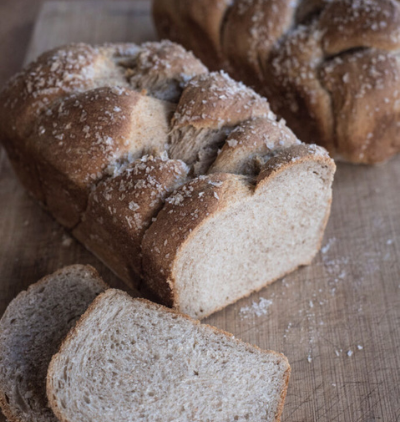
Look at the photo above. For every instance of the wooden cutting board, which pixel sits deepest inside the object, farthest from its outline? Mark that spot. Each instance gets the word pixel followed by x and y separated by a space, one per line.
pixel 338 320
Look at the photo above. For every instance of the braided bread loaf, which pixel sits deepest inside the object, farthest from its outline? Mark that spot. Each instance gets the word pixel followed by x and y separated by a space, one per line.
pixel 103 136
pixel 330 68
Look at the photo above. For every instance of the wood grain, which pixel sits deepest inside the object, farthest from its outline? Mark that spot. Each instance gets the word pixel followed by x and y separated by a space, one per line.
pixel 337 320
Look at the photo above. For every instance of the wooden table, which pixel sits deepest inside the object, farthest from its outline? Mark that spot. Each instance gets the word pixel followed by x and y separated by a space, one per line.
pixel 338 320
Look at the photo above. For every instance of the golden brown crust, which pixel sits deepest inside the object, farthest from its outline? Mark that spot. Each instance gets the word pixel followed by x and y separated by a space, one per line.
pixel 251 30
pixel 249 143
pixel 291 156
pixel 163 69
pixel 307 9
pixel 121 208
pixel 168 19
pixel 351 24
pixel 81 137
pixel 210 107
pixel 74 331
pixel 215 100
pixel 366 105
pixel 53 75
pixel 296 92
pixel 202 22
pixel 75 141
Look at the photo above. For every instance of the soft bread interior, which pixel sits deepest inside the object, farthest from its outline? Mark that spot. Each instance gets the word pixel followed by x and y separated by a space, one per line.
pixel 260 237
pixel 31 331
pixel 137 361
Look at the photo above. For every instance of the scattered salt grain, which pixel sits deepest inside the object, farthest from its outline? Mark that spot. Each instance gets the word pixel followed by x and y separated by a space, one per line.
pixel 66 241
pixel 256 309
pixel 350 353
pixel 326 248
pixel 360 347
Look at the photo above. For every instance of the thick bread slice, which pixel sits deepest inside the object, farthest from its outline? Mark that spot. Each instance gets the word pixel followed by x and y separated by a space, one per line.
pixel 223 236
pixel 130 360
pixel 121 208
pixel 31 331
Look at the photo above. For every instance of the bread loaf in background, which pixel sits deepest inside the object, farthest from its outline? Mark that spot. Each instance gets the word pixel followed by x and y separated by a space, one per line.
pixel 330 68
pixel 182 181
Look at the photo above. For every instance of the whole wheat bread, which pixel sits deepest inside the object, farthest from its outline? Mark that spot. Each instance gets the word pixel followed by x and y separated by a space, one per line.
pixel 31 331
pixel 131 360
pixel 102 136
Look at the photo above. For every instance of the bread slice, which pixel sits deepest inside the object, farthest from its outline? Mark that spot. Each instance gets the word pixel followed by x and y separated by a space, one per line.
pixel 222 236
pixel 130 360
pixel 31 331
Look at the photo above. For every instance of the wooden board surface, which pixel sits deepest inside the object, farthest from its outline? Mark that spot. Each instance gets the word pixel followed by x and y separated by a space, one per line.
pixel 338 320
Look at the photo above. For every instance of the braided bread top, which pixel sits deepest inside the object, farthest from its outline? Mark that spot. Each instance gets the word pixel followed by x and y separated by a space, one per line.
pixel 330 68
pixel 81 114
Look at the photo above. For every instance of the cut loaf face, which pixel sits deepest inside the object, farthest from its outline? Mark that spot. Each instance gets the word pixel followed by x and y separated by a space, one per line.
pixel 131 360
pixel 31 331
pixel 230 235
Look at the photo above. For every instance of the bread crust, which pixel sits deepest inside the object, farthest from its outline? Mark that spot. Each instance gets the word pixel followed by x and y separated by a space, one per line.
pixel 215 100
pixel 28 94
pixel 366 106
pixel 249 142
pixel 249 33
pixel 74 331
pixel 279 47
pixel 121 208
